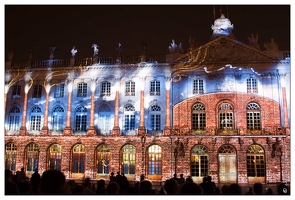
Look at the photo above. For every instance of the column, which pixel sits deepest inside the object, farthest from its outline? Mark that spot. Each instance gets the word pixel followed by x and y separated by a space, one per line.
pixel 167 129
pixel 141 128
pixel 44 130
pixel 23 128
pixel 68 129
pixel 116 128
pixel 91 130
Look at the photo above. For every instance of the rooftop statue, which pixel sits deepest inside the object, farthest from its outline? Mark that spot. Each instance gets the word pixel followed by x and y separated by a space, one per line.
pixel 95 49
pixel 271 46
pixel 222 26
pixel 119 49
pixel 173 48
pixel 74 51
pixel 253 41
pixel 52 49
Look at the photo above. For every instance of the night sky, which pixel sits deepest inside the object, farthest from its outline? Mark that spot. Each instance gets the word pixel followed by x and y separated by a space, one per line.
pixel 39 27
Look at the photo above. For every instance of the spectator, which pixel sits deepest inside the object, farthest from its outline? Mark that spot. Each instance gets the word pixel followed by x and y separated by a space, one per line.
pixel 113 188
pixel 145 187
pixel 190 188
pixel 35 182
pixel 283 189
pixel 269 191
pixel 235 189
pixel 10 187
pixel 53 182
pixel 250 191
pixel 100 187
pixel 258 188
pixel 171 187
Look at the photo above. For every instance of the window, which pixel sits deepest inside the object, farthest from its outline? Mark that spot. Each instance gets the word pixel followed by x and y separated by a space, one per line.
pixel 14 119
pixel 155 88
pixel 35 123
pixel 103 159
pixel 155 117
pixel 226 116
pixel 37 91
pixel 198 117
pixel 105 89
pixel 32 155
pixel 199 161
pixel 10 156
pixel 130 88
pixel 198 86
pixel 59 91
pixel 54 157
pixel 78 159
pixel 58 118
pixel 253 116
pixel 154 160
pixel 252 85
pixel 82 90
pixel 255 161
pixel 104 119
pixel 129 118
pixel 128 159
pixel 16 92
pixel 81 118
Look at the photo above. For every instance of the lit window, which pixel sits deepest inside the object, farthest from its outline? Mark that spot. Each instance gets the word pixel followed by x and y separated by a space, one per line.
pixel 58 118
pixel 198 86
pixel 103 159
pixel 105 89
pixel 14 119
pixel 130 88
pixel 16 92
pixel 104 120
pixel 155 88
pixel 128 159
pixel 199 161
pixel 32 155
pixel 198 117
pixel 10 156
pixel 81 118
pixel 155 117
pixel 255 161
pixel 59 91
pixel 35 122
pixel 252 85
pixel 78 159
pixel 54 157
pixel 253 116
pixel 37 91
pixel 82 90
pixel 129 118
pixel 155 160
pixel 226 116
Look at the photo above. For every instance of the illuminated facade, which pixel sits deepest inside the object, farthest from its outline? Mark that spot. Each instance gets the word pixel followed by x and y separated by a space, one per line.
pixel 221 109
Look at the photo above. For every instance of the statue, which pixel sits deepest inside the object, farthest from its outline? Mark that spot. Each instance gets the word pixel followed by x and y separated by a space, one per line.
pixel 174 48
pixel 74 51
pixel 10 56
pixel 271 46
pixel 52 49
pixel 253 41
pixel 95 49
pixel 119 49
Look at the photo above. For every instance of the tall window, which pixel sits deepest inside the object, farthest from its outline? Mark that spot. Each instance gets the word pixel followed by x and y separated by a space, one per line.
pixel 155 117
pixel 130 88
pixel 81 118
pixel 155 160
pixel 252 85
pixel 78 159
pixel 32 155
pixel 10 156
pixel 37 91
pixel 105 89
pixel 82 89
pixel 199 161
pixel 104 119
pixel 198 86
pixel 103 159
pixel 16 92
pixel 255 161
pixel 59 91
pixel 58 118
pixel 253 116
pixel 128 159
pixel 35 123
pixel 155 88
pixel 129 117
pixel 54 157
pixel 14 119
pixel 198 117
pixel 226 116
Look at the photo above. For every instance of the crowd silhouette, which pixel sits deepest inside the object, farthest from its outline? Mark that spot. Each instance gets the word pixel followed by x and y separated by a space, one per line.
pixel 53 182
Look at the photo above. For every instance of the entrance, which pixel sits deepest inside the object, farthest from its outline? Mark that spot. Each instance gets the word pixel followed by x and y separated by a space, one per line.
pixel 227 164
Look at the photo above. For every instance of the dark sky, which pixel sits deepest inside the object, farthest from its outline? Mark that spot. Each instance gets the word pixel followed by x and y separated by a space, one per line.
pixel 39 27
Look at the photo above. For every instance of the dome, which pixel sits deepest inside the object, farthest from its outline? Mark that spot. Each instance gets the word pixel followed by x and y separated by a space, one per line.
pixel 222 26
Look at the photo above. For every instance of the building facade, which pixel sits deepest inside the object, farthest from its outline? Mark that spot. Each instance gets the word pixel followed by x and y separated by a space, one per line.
pixel 221 109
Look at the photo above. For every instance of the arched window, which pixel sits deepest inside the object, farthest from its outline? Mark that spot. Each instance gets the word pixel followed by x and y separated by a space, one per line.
pixel 35 122
pixel 225 116
pixel 155 117
pixel 154 160
pixel 10 156
pixel 105 117
pixel 54 161
pixel 32 156
pixel 129 119
pixel 14 119
pixel 58 118
pixel 199 161
pixel 81 118
pixel 255 161
pixel 82 89
pixel 103 159
pixel 253 116
pixel 128 159
pixel 78 159
pixel 198 117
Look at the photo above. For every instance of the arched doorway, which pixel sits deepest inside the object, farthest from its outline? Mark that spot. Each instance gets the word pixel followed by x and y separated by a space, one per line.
pixel 227 161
